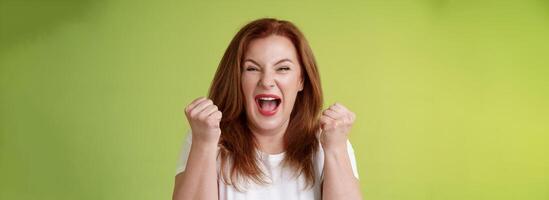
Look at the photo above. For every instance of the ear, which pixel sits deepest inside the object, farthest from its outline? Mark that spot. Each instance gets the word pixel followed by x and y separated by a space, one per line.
pixel 301 84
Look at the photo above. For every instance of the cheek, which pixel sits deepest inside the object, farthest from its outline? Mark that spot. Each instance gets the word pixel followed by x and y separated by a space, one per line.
pixel 290 84
pixel 246 83
pixel 290 89
pixel 248 86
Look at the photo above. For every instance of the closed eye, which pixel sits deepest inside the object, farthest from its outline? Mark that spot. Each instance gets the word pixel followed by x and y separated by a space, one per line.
pixel 283 69
pixel 252 69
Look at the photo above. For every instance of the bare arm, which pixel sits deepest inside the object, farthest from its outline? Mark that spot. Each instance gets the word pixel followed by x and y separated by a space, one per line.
pixel 339 180
pixel 199 180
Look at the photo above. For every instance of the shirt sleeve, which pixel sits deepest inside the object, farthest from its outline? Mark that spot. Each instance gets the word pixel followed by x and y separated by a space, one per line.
pixel 184 153
pixel 351 153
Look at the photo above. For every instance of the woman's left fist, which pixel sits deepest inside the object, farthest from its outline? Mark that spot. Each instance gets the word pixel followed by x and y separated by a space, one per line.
pixel 336 122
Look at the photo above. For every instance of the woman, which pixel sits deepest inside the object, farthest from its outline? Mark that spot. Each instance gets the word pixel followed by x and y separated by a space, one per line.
pixel 261 133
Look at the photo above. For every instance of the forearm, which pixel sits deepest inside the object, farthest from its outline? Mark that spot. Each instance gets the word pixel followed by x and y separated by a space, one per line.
pixel 339 180
pixel 200 175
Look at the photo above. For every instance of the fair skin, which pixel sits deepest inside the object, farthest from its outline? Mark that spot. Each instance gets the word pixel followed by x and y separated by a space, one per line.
pixel 271 80
pixel 271 67
pixel 339 180
pixel 199 180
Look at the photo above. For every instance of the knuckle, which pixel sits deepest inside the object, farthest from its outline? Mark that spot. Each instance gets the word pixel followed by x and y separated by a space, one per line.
pixel 348 123
pixel 187 109
pixel 202 116
pixel 192 114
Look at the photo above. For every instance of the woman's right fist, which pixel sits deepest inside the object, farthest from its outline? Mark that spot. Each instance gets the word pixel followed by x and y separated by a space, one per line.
pixel 204 118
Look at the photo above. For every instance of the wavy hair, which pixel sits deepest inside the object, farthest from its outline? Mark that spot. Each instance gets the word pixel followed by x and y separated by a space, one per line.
pixel 238 148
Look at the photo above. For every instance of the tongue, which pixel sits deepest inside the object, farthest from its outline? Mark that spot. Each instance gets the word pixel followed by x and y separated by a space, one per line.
pixel 268 105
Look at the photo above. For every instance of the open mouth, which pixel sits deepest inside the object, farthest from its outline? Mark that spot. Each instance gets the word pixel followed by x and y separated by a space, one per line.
pixel 267 103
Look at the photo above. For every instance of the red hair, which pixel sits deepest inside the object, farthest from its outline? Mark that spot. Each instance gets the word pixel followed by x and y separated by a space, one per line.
pixel 238 148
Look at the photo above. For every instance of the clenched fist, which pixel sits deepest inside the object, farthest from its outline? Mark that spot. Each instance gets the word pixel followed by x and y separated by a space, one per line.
pixel 204 118
pixel 336 123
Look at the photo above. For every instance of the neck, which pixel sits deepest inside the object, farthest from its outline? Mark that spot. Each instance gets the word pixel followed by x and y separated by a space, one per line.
pixel 270 141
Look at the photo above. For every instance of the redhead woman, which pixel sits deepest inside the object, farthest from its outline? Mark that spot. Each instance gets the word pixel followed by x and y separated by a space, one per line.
pixel 261 132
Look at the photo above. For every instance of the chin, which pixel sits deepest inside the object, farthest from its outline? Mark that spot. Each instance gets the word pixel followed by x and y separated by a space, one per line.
pixel 268 125
pixel 262 123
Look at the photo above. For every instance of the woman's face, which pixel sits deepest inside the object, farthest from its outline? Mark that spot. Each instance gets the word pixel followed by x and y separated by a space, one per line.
pixel 271 79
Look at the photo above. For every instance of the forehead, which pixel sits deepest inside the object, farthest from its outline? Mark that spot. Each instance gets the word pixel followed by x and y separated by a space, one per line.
pixel 271 49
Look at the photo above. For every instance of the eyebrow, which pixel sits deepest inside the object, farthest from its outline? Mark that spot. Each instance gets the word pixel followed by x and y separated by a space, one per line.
pixel 280 61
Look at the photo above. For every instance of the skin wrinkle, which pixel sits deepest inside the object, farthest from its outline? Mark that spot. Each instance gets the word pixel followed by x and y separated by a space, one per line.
pixel 265 57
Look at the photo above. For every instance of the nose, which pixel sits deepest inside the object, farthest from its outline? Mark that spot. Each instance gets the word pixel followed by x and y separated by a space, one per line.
pixel 267 80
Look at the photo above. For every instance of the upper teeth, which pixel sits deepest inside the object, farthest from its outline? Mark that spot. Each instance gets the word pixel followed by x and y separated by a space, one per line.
pixel 267 98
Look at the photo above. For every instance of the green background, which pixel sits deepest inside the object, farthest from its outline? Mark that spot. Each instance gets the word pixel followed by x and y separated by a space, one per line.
pixel 451 96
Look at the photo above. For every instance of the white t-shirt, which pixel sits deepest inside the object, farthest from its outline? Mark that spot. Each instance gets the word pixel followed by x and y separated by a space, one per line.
pixel 282 186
